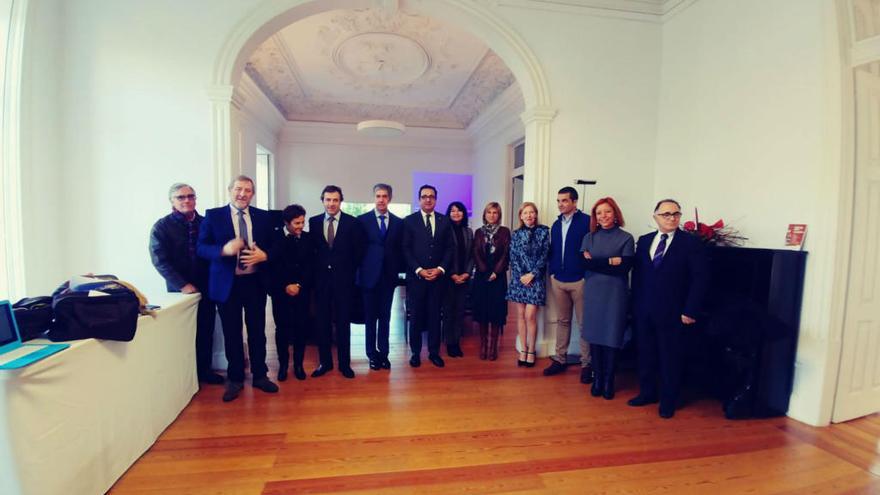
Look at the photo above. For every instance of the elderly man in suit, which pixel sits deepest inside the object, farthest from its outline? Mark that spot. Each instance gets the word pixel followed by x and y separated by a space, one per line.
pixel 669 281
pixel 378 274
pixel 230 238
pixel 173 252
pixel 427 249
pixel 339 240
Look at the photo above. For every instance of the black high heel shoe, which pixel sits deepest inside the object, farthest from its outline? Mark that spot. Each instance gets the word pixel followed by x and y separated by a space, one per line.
pixel 529 364
pixel 520 362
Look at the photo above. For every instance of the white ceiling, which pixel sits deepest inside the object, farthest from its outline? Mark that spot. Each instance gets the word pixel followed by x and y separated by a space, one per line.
pixel 347 66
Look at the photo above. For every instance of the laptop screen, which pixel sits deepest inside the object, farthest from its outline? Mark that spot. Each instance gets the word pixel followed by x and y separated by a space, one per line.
pixel 8 333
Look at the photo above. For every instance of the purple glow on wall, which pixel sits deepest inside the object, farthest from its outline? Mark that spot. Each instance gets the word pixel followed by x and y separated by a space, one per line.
pixel 450 187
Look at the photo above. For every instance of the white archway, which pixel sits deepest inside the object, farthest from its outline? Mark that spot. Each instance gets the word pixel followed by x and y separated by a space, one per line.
pixel 273 15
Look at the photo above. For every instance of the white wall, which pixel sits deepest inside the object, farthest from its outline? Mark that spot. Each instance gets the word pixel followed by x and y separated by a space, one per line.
pixel 604 76
pixel 312 155
pixel 42 164
pixel 494 132
pixel 748 126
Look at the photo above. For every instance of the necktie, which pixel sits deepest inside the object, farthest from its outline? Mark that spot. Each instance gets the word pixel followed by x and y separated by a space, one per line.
pixel 661 248
pixel 243 233
pixel 383 229
pixel 428 225
pixel 331 233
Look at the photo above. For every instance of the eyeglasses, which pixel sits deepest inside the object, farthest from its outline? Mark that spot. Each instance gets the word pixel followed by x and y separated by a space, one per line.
pixel 184 196
pixel 427 196
pixel 669 216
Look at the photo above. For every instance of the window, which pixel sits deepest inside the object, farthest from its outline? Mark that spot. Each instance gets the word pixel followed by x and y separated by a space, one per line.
pixel 264 178
pixel 399 209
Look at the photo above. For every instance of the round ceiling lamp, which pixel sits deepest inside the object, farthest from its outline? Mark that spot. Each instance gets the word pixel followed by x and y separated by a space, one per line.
pixel 381 128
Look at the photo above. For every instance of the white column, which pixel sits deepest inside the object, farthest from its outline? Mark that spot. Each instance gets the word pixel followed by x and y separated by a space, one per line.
pixel 536 188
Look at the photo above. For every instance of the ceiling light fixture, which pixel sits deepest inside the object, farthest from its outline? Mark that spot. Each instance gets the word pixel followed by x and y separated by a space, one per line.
pixel 381 128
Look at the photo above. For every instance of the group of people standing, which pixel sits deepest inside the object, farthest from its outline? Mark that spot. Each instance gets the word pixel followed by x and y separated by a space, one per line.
pixel 239 255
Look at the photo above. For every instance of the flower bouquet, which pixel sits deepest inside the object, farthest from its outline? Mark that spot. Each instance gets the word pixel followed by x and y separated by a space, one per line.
pixel 716 234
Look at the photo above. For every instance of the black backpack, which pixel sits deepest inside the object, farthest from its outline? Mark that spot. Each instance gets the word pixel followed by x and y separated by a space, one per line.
pixel 77 316
pixel 33 316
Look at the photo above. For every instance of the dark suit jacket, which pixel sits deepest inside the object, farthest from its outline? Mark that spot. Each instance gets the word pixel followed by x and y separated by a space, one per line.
pixel 292 263
pixel 677 286
pixel 422 251
pixel 338 265
pixel 382 257
pixel 169 251
pixel 215 231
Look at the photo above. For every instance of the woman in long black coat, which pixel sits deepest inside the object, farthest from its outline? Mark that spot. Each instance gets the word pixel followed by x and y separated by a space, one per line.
pixel 491 258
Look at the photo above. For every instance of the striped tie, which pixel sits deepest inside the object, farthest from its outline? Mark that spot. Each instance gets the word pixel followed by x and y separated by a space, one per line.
pixel 661 249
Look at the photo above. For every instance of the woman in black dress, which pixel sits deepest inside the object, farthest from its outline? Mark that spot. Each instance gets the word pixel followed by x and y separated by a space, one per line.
pixel 292 277
pixel 459 276
pixel 491 257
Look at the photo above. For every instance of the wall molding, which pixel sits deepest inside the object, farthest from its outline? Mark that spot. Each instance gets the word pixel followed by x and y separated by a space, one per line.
pixel 655 11
pixel 346 135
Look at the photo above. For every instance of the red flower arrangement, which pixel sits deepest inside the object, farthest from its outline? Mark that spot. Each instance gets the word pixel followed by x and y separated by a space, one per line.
pixel 716 234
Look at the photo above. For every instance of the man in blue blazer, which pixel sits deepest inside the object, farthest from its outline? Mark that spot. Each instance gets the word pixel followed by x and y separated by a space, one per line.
pixel 428 249
pixel 670 278
pixel 566 269
pixel 339 240
pixel 230 238
pixel 378 274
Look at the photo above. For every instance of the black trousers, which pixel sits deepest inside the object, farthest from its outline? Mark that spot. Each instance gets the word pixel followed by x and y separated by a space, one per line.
pixel 291 327
pixel 425 299
pixel 453 312
pixel 377 318
pixel 333 309
pixel 248 295
pixel 205 317
pixel 661 351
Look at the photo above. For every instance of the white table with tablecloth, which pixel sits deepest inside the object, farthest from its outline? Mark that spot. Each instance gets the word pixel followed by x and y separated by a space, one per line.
pixel 74 422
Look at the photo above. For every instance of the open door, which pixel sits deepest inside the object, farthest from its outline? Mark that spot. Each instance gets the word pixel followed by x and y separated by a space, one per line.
pixel 858 385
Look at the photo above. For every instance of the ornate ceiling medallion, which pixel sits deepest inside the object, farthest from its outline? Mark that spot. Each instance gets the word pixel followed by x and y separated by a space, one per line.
pixel 382 59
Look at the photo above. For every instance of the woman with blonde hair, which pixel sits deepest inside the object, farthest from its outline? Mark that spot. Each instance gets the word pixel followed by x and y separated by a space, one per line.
pixel 490 248
pixel 529 248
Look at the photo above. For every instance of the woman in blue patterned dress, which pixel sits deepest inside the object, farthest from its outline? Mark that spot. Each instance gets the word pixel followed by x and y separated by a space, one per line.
pixel 529 247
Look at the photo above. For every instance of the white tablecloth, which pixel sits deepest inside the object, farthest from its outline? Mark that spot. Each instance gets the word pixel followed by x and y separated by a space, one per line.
pixel 74 422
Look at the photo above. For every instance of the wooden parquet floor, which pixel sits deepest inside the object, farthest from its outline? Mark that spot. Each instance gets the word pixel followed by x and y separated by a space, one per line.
pixel 480 427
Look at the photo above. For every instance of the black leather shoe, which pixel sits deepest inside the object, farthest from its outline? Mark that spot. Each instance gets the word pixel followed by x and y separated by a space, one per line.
pixel 666 413
pixel 321 370
pixel 415 361
pixel 436 360
pixel 282 374
pixel 587 374
pixel 596 389
pixel 375 364
pixel 212 378
pixel 346 372
pixel 265 385
pixel 299 372
pixel 641 400
pixel 555 368
pixel 232 391
pixel 386 364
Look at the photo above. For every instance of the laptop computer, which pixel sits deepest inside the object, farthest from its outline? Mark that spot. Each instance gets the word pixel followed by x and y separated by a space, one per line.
pixel 14 354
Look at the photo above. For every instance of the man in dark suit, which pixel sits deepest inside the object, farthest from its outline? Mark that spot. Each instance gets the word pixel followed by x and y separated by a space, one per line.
pixel 428 250
pixel 173 252
pixel 669 281
pixel 378 274
pixel 230 238
pixel 338 239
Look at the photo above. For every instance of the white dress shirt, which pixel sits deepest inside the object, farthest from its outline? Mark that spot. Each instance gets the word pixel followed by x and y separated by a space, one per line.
pixel 656 242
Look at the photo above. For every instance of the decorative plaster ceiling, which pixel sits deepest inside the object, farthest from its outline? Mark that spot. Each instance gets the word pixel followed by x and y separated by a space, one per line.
pixel 351 65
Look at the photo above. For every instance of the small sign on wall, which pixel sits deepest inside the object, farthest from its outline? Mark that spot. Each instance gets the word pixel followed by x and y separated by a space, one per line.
pixel 795 236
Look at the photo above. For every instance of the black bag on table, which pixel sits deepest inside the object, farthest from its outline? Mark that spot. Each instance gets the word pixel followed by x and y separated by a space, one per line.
pixel 33 316
pixel 77 316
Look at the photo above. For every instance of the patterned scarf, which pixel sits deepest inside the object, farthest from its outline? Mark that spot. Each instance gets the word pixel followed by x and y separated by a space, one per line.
pixel 489 231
